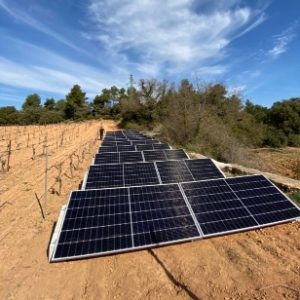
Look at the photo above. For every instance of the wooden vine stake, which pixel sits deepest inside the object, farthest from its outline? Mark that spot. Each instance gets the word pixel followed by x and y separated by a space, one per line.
pixel 8 155
pixel 46 176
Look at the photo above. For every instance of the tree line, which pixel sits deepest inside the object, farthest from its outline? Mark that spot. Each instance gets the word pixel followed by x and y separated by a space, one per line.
pixel 74 107
pixel 188 115
pixel 208 117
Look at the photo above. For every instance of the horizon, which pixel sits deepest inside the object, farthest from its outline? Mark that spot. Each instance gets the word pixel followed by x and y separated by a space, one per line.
pixel 249 46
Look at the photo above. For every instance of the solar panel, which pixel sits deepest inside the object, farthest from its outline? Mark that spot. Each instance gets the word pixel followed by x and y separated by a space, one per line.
pixel 122 148
pixel 120 175
pixel 110 134
pixel 115 134
pixel 107 158
pixel 202 169
pixel 104 176
pixel 159 155
pixel 119 148
pixel 175 154
pixel 114 139
pixel 108 143
pixel 96 222
pixel 115 143
pixel 99 222
pixel 154 155
pixel 133 156
pixel 120 134
pixel 174 171
pixel 227 205
pixel 144 141
pixel 160 215
pixel 143 147
pixel 151 141
pixel 132 210
pixel 108 149
pixel 263 200
pixel 140 174
pixel 160 146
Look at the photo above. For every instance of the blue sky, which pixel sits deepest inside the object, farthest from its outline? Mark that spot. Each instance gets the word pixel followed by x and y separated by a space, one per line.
pixel 46 46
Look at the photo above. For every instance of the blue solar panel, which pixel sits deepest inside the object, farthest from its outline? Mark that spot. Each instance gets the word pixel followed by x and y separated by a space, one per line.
pixel 96 222
pixel 263 200
pixel 152 147
pixel 155 155
pixel 232 204
pixel 120 175
pixel 160 215
pixel 175 154
pixel 140 174
pixel 202 169
pixel 130 209
pixel 107 158
pixel 134 156
pixel 102 176
pixel 174 171
pixel 99 222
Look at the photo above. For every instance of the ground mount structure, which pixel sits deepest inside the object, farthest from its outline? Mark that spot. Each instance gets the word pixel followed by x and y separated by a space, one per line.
pixel 140 193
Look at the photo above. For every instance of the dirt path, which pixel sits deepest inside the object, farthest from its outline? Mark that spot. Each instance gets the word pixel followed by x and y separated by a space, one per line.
pixel 262 264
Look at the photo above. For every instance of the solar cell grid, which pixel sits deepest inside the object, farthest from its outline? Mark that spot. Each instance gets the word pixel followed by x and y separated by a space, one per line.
pixel 175 154
pixel 174 171
pixel 116 143
pixel 154 155
pixel 161 146
pixel 144 147
pixel 102 176
pixel 133 156
pixel 119 134
pixel 202 169
pixel 108 143
pixel 103 149
pixel 97 227
pixel 140 174
pixel 216 207
pixel 160 215
pixel 144 141
pixel 123 148
pixel 107 158
pixel 264 201
pixel 241 203
pixel 118 148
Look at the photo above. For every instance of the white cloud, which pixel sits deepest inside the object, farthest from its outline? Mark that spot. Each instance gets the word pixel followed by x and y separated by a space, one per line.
pixel 56 75
pixel 174 34
pixel 282 40
pixel 236 90
pixel 21 16
pixel 147 38
pixel 213 70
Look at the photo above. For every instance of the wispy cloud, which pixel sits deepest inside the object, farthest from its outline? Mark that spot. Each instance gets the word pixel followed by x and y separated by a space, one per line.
pixel 56 75
pixel 236 90
pixel 147 38
pixel 282 40
pixel 25 18
pixel 176 35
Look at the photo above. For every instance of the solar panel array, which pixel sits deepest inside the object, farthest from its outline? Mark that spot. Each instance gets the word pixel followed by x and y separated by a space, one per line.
pixel 146 173
pixel 156 196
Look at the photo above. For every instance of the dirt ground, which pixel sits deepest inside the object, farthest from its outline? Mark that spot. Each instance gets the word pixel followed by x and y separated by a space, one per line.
pixel 261 264
pixel 275 160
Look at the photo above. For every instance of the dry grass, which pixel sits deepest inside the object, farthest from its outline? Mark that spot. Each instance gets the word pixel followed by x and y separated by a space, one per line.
pixel 280 161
